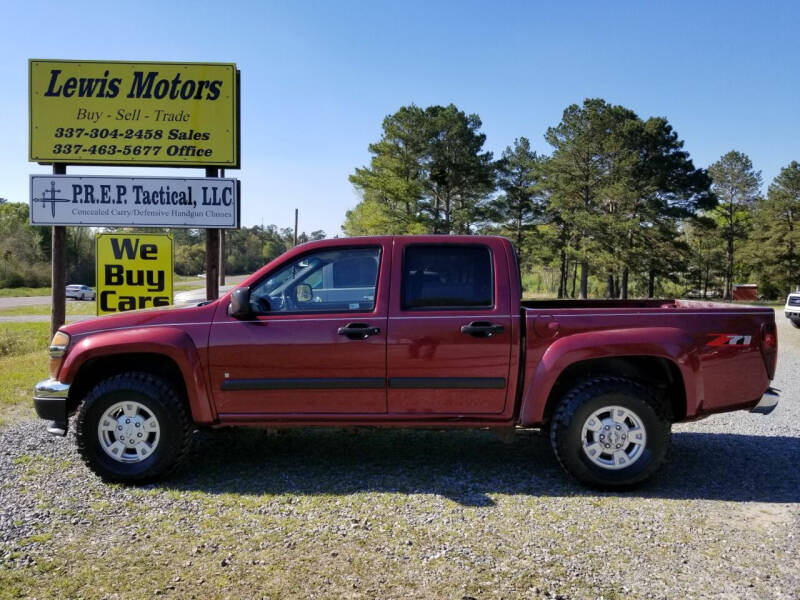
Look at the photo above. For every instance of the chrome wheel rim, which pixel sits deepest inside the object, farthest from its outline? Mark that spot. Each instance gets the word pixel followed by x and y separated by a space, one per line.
pixel 128 432
pixel 613 437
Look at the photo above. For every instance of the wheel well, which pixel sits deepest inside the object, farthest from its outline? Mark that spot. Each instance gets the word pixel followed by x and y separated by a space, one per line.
pixel 103 367
pixel 654 371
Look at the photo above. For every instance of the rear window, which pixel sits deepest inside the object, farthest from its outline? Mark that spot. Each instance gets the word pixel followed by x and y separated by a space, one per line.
pixel 447 276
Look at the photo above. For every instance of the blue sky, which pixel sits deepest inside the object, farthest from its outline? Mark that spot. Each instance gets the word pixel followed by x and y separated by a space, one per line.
pixel 319 77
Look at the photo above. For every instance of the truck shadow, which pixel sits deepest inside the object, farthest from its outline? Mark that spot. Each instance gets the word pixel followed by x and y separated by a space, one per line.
pixel 468 467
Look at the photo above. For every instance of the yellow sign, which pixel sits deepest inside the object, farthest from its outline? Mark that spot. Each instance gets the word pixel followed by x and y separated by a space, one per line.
pixel 133 271
pixel 145 113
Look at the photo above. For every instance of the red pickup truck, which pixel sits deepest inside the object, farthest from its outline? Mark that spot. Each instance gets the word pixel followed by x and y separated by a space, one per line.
pixel 407 332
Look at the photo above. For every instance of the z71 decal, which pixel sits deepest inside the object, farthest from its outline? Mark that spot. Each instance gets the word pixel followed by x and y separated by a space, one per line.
pixel 729 339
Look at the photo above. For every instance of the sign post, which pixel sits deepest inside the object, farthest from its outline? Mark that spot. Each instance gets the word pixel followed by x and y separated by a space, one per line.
pixel 58 266
pixel 221 261
pixel 212 255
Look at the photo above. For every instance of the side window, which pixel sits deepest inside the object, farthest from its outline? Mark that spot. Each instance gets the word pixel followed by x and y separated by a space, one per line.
pixel 447 276
pixel 324 281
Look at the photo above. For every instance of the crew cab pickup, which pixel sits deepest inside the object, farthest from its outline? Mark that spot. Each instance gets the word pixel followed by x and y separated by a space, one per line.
pixel 409 331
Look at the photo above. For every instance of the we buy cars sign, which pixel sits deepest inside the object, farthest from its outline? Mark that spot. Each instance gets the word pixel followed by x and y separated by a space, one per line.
pixel 133 271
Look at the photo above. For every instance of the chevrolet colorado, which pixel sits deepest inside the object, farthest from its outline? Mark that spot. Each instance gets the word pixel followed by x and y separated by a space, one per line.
pixel 425 331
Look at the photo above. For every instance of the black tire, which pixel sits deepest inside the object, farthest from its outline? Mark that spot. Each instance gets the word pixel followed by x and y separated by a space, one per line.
pixel 161 401
pixel 795 323
pixel 581 402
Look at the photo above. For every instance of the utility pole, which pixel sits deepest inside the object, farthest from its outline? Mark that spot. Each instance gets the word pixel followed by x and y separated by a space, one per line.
pixel 295 226
pixel 58 277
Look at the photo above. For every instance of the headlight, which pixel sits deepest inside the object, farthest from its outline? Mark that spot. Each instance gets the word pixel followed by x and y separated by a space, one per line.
pixel 58 348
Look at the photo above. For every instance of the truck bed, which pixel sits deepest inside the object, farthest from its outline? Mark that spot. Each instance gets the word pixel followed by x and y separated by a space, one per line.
pixel 727 350
pixel 655 303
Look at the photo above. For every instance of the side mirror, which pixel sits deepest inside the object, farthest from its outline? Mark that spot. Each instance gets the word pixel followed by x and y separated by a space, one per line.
pixel 240 308
pixel 303 292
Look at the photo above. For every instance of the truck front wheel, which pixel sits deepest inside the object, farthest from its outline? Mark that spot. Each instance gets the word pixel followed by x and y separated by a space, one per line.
pixel 795 323
pixel 610 432
pixel 133 428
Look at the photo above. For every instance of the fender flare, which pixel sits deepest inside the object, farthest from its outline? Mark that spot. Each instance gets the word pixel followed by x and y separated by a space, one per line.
pixel 672 344
pixel 171 342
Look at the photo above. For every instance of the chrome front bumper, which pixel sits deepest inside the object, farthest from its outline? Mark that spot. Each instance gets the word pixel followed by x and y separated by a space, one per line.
pixel 50 400
pixel 767 403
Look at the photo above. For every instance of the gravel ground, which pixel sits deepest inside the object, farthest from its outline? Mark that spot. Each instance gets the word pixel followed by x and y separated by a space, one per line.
pixel 331 513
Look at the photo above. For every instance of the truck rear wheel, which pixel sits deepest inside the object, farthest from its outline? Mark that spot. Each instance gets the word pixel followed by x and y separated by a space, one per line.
pixel 133 428
pixel 610 432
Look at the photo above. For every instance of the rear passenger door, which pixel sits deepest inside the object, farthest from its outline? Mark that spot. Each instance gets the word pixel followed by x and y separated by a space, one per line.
pixel 449 332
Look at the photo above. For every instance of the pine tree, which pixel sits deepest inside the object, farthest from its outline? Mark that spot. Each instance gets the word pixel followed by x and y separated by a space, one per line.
pixel 774 245
pixel 521 205
pixel 428 173
pixel 737 187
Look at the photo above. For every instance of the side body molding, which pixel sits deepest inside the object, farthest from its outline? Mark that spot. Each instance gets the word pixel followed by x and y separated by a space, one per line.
pixel 172 342
pixel 670 343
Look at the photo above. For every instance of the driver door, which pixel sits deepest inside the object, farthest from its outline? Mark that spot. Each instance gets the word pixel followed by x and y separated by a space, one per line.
pixel 317 342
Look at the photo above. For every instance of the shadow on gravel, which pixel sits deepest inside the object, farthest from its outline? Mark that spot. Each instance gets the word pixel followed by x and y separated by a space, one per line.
pixel 468 466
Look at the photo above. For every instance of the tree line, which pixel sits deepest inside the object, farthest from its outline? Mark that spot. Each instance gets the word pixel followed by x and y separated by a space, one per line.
pixel 25 250
pixel 616 209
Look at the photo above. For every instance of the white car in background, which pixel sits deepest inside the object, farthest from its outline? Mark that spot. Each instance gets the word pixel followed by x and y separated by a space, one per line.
pixel 80 292
pixel 792 309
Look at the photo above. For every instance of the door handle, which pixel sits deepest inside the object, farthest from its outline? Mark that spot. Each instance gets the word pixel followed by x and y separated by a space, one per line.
pixel 358 331
pixel 482 329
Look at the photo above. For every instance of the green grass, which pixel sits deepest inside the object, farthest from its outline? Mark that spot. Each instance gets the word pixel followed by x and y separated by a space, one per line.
pixel 18 375
pixel 21 338
pixel 24 291
pixel 180 286
pixel 23 362
pixel 73 308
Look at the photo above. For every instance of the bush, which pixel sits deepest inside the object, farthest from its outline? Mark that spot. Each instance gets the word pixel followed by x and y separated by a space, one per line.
pixel 22 338
pixel 14 274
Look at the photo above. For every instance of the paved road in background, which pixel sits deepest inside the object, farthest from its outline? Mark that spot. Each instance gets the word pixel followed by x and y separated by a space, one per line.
pixel 15 301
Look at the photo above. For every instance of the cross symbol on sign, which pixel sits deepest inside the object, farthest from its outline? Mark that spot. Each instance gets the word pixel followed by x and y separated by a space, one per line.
pixel 52 199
